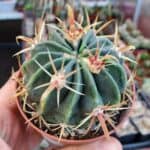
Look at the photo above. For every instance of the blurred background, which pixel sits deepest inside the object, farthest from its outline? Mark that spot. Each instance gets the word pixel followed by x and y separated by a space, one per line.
pixel 18 17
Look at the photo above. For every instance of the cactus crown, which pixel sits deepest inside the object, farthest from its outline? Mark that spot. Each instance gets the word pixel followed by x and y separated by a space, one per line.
pixel 74 81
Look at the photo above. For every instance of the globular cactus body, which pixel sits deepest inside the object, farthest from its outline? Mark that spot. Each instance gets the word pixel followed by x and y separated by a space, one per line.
pixel 68 79
pixel 100 88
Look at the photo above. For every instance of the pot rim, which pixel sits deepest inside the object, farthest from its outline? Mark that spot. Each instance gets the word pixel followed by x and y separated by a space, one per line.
pixel 124 117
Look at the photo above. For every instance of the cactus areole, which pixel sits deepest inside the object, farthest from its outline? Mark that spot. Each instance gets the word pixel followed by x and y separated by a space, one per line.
pixel 74 84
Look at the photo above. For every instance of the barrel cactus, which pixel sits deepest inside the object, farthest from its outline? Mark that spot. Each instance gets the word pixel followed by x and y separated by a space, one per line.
pixel 73 82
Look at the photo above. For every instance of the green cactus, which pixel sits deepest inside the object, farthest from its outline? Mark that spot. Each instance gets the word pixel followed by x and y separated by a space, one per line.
pixel 72 78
